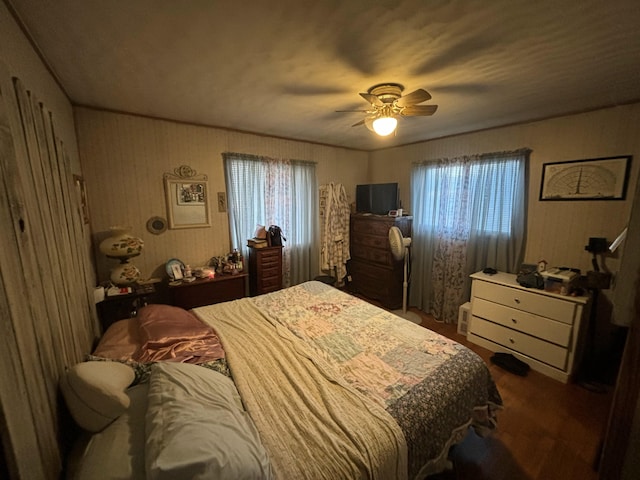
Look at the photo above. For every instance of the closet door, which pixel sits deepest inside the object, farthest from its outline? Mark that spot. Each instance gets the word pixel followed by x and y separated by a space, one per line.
pixel 47 318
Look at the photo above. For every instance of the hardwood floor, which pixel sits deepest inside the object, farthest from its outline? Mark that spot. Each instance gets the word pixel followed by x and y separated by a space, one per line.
pixel 547 430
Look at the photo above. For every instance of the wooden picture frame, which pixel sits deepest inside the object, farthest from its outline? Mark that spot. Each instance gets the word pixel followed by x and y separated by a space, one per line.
pixel 603 178
pixel 187 197
pixel 81 191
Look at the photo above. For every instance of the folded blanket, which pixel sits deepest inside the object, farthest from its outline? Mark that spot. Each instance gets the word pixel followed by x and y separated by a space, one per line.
pixel 312 423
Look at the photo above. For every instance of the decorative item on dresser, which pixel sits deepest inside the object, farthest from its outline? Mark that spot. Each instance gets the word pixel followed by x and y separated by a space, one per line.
pixel 207 291
pixel 545 330
pixel 265 270
pixel 373 270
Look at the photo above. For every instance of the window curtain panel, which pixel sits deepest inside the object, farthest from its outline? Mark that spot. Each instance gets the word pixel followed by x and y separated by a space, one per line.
pixel 469 213
pixel 269 191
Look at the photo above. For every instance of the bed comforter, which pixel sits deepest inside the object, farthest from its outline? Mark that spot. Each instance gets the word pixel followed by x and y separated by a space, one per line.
pixel 352 385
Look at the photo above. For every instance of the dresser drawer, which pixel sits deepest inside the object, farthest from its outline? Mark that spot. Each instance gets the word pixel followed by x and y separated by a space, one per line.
pixel 377 255
pixel 375 227
pixel 269 254
pixel 371 241
pixel 270 284
pixel 537 303
pixel 376 282
pixel 541 327
pixel 270 262
pixel 520 342
pixel 271 271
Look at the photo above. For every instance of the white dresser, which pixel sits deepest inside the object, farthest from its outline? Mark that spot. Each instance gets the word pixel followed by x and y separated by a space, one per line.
pixel 543 329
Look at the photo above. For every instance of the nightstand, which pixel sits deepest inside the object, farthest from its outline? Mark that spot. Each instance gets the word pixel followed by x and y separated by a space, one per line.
pixel 119 307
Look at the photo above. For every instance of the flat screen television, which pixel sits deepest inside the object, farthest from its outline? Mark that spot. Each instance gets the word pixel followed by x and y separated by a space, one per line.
pixel 377 198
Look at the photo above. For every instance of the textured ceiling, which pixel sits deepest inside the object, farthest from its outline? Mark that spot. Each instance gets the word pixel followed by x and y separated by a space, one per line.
pixel 283 67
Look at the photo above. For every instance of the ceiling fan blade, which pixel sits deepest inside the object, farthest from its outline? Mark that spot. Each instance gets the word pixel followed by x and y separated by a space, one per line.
pixel 372 99
pixel 346 111
pixel 361 122
pixel 413 98
pixel 419 110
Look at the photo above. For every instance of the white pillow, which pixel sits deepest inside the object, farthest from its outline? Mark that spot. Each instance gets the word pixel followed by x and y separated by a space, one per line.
pixel 117 452
pixel 95 392
pixel 197 428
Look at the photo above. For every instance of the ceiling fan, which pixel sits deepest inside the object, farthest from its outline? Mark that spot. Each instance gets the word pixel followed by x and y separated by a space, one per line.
pixel 388 103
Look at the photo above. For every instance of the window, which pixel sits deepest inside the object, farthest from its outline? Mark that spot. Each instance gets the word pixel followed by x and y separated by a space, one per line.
pixel 494 188
pixel 468 213
pixel 268 191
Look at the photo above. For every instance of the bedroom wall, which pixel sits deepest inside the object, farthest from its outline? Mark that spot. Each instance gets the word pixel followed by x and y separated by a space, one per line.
pixel 124 158
pixel 557 231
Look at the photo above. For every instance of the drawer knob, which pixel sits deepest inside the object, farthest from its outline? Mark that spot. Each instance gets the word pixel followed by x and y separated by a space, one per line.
pixel 512 340
pixel 514 320
pixel 517 300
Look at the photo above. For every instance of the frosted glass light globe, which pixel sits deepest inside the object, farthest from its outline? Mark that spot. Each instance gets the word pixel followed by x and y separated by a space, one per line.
pixel 384 126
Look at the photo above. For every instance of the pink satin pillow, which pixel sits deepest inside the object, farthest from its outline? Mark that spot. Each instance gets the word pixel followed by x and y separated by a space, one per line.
pixel 121 340
pixel 174 334
pixel 159 323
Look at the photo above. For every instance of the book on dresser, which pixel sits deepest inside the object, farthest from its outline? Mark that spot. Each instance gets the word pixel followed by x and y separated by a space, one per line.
pixel 374 272
pixel 257 243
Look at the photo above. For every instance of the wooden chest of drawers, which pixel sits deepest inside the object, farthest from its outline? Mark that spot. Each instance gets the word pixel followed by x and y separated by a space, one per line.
pixel 265 270
pixel 543 329
pixel 373 270
pixel 207 291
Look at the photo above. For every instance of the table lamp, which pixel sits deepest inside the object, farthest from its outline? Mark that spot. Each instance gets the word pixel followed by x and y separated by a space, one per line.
pixel 122 246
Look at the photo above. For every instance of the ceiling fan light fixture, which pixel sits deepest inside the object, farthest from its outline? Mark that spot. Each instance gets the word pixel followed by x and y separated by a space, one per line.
pixel 384 126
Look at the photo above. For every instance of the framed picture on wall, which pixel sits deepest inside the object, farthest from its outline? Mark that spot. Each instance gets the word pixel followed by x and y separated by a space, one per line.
pixel 592 179
pixel 82 197
pixel 187 198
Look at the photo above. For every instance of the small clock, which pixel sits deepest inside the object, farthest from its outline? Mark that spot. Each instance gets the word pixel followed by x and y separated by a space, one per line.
pixel 542 266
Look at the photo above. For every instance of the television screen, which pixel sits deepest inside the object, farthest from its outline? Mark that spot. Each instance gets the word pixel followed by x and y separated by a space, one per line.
pixel 377 198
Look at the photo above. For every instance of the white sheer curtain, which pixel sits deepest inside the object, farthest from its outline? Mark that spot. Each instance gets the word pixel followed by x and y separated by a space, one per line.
pixel 268 191
pixel 468 213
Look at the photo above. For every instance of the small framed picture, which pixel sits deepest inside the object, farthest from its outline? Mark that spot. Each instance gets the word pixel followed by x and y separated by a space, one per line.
pixel 177 271
pixel 191 193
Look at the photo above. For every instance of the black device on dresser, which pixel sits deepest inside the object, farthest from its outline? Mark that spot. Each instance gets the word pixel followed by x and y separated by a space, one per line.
pixel 373 270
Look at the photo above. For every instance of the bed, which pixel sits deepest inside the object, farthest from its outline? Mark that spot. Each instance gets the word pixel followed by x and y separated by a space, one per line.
pixel 307 382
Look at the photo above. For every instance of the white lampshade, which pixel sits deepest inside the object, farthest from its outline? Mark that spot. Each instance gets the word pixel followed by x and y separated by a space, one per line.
pixel 384 126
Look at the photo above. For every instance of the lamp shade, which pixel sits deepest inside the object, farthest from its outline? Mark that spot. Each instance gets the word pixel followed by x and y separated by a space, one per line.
pixel 384 126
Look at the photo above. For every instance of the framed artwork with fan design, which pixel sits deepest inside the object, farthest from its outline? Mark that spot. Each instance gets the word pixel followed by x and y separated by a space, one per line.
pixel 593 179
